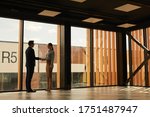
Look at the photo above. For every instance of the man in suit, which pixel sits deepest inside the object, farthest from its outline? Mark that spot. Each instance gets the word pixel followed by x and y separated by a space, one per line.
pixel 30 64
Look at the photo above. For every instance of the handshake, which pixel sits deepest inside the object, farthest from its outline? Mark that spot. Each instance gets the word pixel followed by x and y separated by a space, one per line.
pixel 43 59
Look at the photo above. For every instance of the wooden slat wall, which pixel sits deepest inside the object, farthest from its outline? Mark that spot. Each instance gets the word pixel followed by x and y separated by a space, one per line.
pixel 137 58
pixel 148 45
pixel 105 61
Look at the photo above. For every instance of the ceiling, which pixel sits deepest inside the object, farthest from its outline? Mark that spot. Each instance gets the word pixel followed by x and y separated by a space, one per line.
pixel 74 13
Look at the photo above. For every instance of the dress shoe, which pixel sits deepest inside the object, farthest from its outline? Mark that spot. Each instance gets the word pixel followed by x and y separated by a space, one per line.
pixel 31 91
pixel 48 90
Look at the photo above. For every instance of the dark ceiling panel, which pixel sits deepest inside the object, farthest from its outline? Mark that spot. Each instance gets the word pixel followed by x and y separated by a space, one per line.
pixel 74 13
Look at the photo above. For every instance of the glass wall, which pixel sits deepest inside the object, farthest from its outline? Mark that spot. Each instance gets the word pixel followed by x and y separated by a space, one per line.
pixel 42 34
pixel 105 64
pixel 79 57
pixel 9 29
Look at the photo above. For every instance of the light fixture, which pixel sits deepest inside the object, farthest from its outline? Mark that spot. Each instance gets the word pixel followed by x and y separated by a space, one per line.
pixel 127 7
pixel 92 20
pixel 80 1
pixel 49 13
pixel 126 25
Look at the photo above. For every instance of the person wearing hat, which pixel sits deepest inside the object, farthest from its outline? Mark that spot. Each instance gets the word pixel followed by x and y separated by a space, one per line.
pixel 30 64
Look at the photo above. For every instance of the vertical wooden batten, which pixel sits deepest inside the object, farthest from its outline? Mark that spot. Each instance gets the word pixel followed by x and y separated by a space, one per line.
pixel 101 58
pixel 105 57
pixel 58 57
pixel 142 71
pixel 145 54
pixel 88 57
pixel 109 60
pixel 113 60
pixel 133 57
pixel 97 58
pixel 20 55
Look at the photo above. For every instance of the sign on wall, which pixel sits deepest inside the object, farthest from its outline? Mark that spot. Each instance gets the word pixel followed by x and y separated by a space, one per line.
pixel 9 57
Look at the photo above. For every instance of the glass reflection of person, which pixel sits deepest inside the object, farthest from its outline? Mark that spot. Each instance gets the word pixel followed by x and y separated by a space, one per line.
pixel 49 65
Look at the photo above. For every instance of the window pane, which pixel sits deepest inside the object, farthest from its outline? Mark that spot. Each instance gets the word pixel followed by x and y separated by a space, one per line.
pixel 78 57
pixel 42 34
pixel 9 29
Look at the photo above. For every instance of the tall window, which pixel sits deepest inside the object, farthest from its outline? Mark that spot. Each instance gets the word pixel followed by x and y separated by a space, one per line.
pixel 79 55
pixel 9 29
pixel 42 34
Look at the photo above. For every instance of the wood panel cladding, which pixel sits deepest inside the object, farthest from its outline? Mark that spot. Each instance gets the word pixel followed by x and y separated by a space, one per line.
pixel 137 58
pixel 105 58
pixel 142 78
pixel 148 46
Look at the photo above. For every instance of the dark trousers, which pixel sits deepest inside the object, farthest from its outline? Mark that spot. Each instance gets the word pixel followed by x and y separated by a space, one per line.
pixel 29 74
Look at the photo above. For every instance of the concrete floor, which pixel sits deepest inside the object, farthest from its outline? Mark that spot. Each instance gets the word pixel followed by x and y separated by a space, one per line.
pixel 97 93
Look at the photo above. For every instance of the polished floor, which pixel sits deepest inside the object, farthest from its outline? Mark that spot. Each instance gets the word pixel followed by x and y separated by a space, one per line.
pixel 97 93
